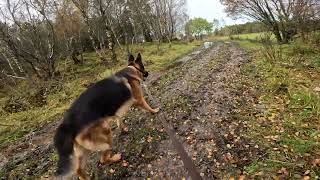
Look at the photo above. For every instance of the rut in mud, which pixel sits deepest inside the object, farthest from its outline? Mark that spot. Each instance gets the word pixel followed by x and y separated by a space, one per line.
pixel 199 98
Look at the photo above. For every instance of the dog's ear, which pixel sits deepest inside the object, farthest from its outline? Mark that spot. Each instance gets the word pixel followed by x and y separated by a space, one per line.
pixel 139 58
pixel 131 59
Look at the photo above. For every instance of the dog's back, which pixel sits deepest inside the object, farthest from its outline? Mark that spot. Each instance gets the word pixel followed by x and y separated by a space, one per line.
pixel 101 100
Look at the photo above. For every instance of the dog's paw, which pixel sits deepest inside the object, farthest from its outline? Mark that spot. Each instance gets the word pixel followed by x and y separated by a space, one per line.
pixel 155 110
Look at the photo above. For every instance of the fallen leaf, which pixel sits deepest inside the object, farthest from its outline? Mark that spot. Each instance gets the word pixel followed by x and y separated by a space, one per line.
pixel 112 171
pixel 316 162
pixel 259 173
pixel 307 172
pixel 149 139
pixel 242 177
pixel 317 89
pixel 124 164
pixel 283 171
pixel 306 177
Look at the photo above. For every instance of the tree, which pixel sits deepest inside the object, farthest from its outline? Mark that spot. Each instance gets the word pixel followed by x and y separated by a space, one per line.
pixel 96 17
pixel 31 37
pixel 282 17
pixel 36 34
pixel 198 27
pixel 72 31
pixel 249 27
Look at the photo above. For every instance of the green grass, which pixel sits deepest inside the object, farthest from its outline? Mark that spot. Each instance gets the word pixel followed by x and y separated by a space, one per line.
pixel 289 126
pixel 73 80
pixel 251 36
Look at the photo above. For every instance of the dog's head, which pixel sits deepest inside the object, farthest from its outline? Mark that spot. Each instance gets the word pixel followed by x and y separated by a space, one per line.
pixel 137 63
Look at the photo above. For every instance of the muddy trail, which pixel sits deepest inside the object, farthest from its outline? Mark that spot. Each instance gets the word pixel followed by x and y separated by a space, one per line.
pixel 199 96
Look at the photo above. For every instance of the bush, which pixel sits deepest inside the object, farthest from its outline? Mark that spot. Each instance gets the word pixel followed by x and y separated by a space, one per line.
pixel 315 38
pixel 16 104
pixel 24 101
pixel 302 49
pixel 232 37
pixel 39 98
pixel 271 51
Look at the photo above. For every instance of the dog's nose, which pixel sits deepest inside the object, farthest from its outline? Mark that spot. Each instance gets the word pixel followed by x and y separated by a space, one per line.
pixel 146 74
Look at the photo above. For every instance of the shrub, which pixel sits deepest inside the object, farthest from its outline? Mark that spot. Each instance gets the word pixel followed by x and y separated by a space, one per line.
pixel 315 38
pixel 271 51
pixel 16 104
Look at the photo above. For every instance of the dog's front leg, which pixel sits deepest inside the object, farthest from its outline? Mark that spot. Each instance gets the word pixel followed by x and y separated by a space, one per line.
pixel 139 99
pixel 142 103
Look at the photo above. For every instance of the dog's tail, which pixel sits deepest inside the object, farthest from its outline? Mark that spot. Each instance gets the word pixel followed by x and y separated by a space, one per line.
pixel 63 142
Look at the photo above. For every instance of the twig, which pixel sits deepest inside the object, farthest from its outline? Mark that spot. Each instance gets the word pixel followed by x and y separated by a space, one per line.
pixel 6 124
pixel 12 76
pixel 17 77
pixel 282 162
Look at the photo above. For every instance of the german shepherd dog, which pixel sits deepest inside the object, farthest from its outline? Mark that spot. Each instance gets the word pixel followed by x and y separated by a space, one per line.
pixel 86 126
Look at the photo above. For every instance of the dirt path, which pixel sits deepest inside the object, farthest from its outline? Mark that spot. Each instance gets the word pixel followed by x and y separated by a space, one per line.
pixel 199 98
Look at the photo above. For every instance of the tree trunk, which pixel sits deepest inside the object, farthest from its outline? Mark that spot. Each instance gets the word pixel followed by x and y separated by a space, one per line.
pixel 278 36
pixel 285 36
pixel 276 32
pixel 102 58
pixel 10 65
pixel 111 45
pixel 74 57
pixel 147 35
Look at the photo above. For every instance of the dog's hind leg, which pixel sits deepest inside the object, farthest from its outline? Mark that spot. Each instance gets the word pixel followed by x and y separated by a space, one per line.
pixel 80 161
pixel 106 157
pixel 96 137
pixel 106 154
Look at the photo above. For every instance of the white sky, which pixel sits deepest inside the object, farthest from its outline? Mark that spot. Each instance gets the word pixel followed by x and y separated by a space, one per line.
pixel 210 9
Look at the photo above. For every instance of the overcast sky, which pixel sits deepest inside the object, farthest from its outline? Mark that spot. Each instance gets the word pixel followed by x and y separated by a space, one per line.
pixel 209 9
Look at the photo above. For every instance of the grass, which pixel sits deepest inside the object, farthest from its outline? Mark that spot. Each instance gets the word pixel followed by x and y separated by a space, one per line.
pixel 288 125
pixel 73 80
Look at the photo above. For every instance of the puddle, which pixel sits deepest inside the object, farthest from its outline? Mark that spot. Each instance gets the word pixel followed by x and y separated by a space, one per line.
pixel 207 44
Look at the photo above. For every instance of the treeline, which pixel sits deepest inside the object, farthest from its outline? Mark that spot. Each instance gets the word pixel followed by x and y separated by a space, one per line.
pixel 284 18
pixel 36 34
pixel 249 27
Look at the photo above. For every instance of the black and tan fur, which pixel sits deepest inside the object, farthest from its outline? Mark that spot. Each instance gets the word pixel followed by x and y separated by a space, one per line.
pixel 86 127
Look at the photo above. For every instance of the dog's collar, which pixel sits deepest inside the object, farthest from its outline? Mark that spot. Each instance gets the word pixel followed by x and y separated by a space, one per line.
pixel 134 76
pixel 144 73
pixel 137 69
